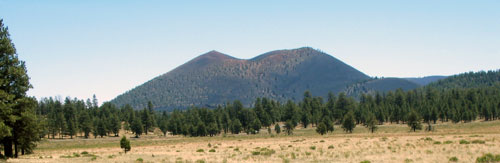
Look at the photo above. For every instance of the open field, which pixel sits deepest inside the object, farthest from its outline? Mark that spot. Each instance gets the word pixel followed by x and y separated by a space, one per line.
pixel 391 143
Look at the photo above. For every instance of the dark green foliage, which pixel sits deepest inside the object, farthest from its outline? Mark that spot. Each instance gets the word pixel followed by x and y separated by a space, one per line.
pixel 321 129
pixel 414 121
pixel 164 127
pixel 349 122
pixel 18 119
pixel 137 127
pixel 411 107
pixel 371 122
pixel 125 144
pixel 469 80
pixel 236 127
pixel 277 128
pixel 289 126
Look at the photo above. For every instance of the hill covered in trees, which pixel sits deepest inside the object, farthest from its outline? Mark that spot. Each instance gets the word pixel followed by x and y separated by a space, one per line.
pixel 469 80
pixel 381 85
pixel 426 80
pixel 215 78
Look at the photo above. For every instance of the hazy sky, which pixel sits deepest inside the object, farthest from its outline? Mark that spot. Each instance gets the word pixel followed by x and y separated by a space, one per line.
pixel 80 48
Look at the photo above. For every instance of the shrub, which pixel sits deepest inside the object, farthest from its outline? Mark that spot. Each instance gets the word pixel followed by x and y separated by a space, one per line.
pixel 200 150
pixel 447 142
pixel 139 160
pixel 486 158
pixel 478 142
pixel 437 142
pixel 453 159
pixel 331 147
pixel 365 161
pixel 428 139
pixel 200 161
pixel 84 153
pixel 464 141
pixel 211 150
pixel 255 152
pixel 312 147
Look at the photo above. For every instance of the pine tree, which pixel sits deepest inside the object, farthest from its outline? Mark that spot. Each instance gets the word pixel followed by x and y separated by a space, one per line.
pixel 17 110
pixel 115 125
pixel 164 126
pixel 321 129
pixel 125 144
pixel 414 121
pixel 236 126
pixel 371 122
pixel 277 128
pixel 136 127
pixel 289 126
pixel 85 123
pixel 349 122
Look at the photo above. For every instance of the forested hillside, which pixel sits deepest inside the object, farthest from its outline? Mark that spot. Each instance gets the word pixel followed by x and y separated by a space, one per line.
pixel 380 85
pixel 422 81
pixel 215 78
pixel 469 80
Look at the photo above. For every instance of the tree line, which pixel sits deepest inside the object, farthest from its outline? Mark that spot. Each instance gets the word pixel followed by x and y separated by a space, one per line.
pixel 428 105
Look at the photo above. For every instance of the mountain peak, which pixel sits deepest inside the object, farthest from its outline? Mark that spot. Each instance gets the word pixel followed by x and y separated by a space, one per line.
pixel 213 54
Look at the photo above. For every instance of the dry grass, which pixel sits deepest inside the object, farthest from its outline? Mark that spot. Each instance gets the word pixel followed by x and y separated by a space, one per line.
pixel 391 143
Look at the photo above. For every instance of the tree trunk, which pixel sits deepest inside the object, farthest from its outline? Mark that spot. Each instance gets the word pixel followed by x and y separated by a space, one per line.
pixel 7 147
pixel 16 151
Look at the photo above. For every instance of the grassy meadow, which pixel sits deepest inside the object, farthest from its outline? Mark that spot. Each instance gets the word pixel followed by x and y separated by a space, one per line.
pixel 463 142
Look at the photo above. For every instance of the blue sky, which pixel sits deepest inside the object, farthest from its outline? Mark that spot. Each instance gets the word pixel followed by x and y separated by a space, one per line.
pixel 80 48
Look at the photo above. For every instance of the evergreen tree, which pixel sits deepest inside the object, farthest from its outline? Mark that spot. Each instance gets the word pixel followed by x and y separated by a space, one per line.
pixel 289 127
pixel 17 110
pixel 371 122
pixel 125 144
pixel 349 122
pixel 277 128
pixel 137 127
pixel 414 121
pixel 321 129
pixel 236 126
pixel 101 127
pixel 256 125
pixel 213 129
pixel 147 120
pixel 115 125
pixel 164 126
pixel 85 123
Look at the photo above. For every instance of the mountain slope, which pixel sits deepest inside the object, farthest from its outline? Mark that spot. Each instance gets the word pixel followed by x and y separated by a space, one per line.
pixel 379 85
pixel 425 80
pixel 215 78
pixel 468 80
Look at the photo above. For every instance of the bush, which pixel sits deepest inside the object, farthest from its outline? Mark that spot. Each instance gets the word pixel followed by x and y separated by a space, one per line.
pixel 486 158
pixel 478 142
pixel 200 150
pixel 428 139
pixel 312 147
pixel 437 142
pixel 365 161
pixel 264 152
pixel 84 153
pixel 139 160
pixel 447 142
pixel 464 141
pixel 453 159
pixel 330 147
pixel 211 150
